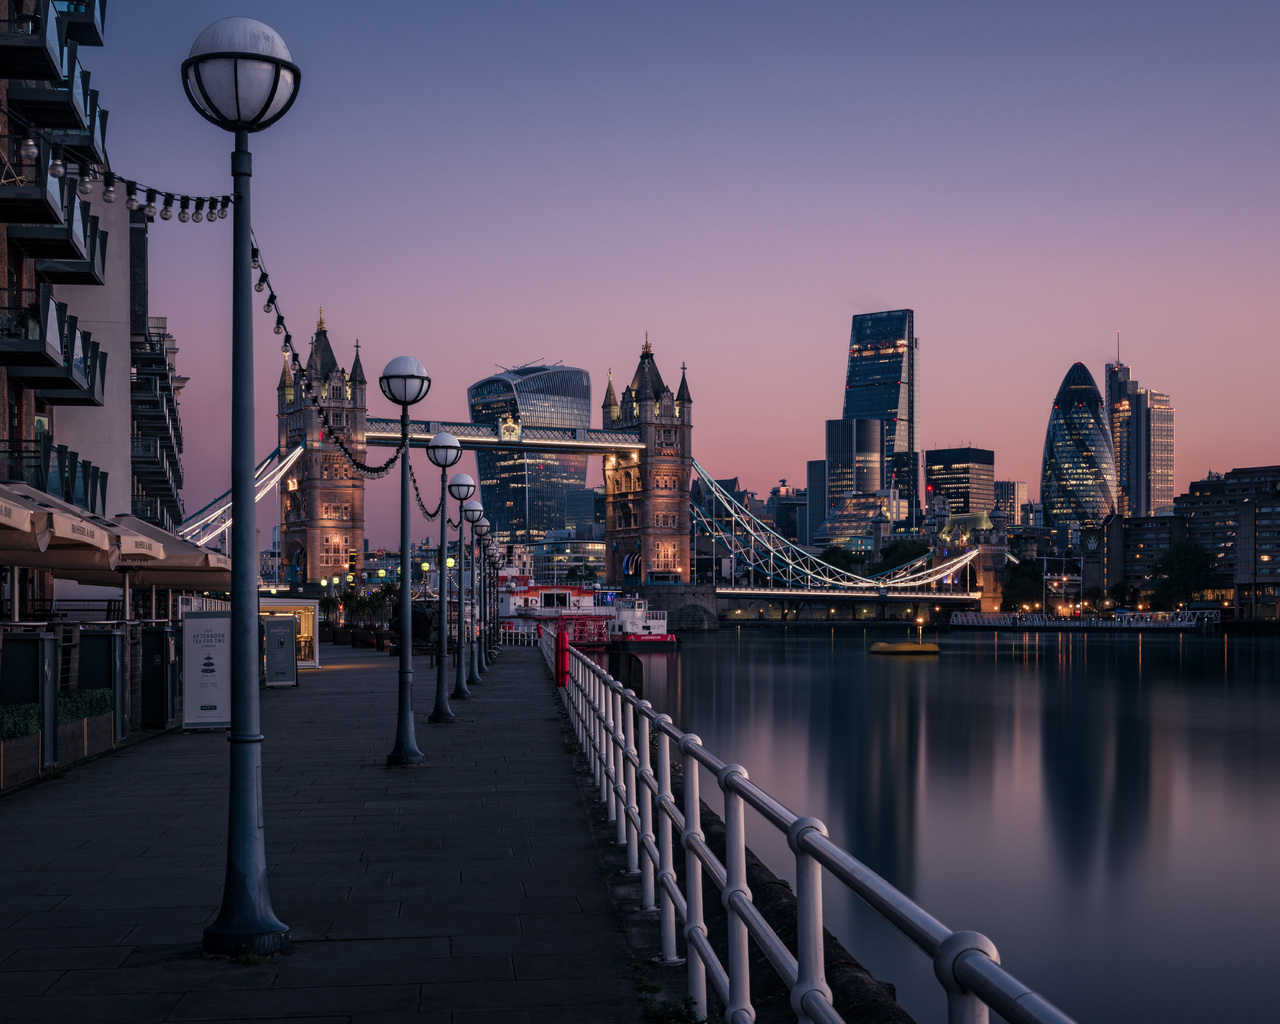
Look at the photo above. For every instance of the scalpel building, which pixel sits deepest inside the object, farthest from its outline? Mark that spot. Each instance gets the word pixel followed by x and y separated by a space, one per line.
pixel 1078 474
pixel 524 495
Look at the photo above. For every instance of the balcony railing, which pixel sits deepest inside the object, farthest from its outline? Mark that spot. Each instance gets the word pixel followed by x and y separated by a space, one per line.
pixel 29 194
pixel 27 462
pixel 84 20
pixel 83 376
pixel 31 45
pixel 146 508
pixel 54 469
pixel 31 327
pixel 54 105
pixel 90 270
pixel 65 240
pixel 87 144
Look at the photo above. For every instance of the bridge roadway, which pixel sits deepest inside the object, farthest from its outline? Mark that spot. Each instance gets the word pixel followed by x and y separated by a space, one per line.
pixel 852 594
pixel 462 892
pixel 385 433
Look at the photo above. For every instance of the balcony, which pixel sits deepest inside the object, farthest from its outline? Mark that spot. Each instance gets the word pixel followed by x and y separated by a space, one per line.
pixel 87 144
pixel 90 270
pixel 29 194
pixel 31 327
pixel 65 241
pixel 146 508
pixel 31 45
pixel 77 379
pixel 54 469
pixel 27 462
pixel 83 20
pixel 54 105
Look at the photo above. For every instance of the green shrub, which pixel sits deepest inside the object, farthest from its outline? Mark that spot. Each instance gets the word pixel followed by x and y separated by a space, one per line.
pixel 76 704
pixel 18 720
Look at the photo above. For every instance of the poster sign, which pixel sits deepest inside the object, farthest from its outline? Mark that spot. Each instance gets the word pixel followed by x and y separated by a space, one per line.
pixel 206 670
pixel 279 634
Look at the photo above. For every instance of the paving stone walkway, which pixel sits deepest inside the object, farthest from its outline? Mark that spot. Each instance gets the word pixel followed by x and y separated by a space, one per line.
pixel 465 891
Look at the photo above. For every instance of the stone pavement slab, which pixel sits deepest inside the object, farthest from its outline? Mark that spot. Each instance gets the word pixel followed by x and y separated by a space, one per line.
pixel 465 891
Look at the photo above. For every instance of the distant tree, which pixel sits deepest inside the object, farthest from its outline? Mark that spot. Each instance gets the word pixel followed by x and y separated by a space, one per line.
pixel 899 552
pixel 1093 598
pixel 840 558
pixel 1182 572
pixel 1121 594
pixel 329 606
pixel 1024 586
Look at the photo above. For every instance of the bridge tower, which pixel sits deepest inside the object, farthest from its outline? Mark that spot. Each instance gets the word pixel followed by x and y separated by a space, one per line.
pixel 321 497
pixel 647 493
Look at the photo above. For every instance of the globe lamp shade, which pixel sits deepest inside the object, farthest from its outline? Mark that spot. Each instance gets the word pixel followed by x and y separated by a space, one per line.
pixel 482 528
pixel 472 511
pixel 405 381
pixel 461 486
pixel 444 450
pixel 240 75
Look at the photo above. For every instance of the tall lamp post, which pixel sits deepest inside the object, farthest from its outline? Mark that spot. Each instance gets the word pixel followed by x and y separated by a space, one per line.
pixel 483 561
pixel 479 529
pixel 461 487
pixel 241 77
pixel 406 383
pixel 472 512
pixel 444 451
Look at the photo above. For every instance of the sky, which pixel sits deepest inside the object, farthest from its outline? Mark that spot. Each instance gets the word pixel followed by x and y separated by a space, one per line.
pixel 491 184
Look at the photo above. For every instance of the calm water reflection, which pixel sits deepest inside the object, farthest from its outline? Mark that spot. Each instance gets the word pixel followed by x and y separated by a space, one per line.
pixel 1106 809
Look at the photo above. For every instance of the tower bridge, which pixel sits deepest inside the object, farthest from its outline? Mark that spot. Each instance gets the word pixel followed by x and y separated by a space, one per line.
pixel 645 443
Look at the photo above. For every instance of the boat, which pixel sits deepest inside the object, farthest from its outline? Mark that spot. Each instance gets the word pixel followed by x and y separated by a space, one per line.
pixel 635 627
pixel 525 607
pixel 881 647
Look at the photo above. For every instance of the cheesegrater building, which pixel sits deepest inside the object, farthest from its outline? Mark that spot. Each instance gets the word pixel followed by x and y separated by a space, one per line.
pixel 524 495
pixel 1078 474
pixel 881 385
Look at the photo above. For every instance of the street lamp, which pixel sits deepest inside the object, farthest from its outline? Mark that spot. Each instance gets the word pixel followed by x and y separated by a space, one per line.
pixel 479 528
pixel 240 76
pixel 444 451
pixel 472 512
pixel 461 487
pixel 485 589
pixel 406 383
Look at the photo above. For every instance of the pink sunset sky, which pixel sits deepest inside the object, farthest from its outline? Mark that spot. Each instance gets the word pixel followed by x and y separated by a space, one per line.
pixel 493 184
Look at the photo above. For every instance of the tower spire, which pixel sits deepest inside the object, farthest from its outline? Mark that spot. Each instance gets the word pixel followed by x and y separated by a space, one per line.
pixel 648 349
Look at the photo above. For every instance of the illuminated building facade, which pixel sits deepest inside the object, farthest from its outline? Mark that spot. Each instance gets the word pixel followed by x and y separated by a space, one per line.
pixel 1141 422
pixel 881 384
pixel 966 477
pixel 1078 473
pixel 524 495
pixel 1011 496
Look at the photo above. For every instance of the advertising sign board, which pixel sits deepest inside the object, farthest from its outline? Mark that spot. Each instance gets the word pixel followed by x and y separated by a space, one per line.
pixel 206 670
pixel 279 633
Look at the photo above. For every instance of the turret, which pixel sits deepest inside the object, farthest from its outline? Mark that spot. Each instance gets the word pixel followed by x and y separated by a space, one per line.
pixel 610 408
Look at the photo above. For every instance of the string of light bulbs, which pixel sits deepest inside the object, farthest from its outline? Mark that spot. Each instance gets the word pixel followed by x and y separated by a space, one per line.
pixel 296 366
pixel 190 207
pixel 430 517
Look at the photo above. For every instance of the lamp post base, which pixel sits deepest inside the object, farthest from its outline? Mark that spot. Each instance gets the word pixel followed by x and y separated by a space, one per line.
pixel 237 938
pixel 395 760
pixel 435 719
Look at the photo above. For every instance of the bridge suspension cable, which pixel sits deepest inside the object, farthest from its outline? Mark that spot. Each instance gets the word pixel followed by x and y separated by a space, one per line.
pixel 215 517
pixel 763 552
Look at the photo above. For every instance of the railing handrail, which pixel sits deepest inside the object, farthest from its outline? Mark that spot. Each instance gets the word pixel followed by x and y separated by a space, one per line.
pixel 613 726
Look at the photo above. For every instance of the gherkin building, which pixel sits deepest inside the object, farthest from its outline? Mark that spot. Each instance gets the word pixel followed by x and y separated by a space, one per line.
pixel 1078 475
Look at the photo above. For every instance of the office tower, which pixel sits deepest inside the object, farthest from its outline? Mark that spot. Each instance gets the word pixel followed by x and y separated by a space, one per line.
pixel 904 476
pixel 524 497
pixel 1011 495
pixel 868 446
pixel 1141 422
pixel 815 496
pixel 881 384
pixel 1078 473
pixel 842 460
pixel 966 477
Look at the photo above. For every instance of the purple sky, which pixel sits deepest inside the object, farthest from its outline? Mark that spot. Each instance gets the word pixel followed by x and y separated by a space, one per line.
pixel 481 184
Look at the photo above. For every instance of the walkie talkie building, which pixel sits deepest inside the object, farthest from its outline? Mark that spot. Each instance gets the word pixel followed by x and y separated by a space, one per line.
pixel 524 495
pixel 1078 475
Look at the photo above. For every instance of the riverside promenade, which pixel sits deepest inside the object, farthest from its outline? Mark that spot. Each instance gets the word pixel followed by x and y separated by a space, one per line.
pixel 465 891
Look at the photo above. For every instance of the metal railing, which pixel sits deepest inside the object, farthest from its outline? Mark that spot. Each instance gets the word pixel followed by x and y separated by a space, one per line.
pixel 613 727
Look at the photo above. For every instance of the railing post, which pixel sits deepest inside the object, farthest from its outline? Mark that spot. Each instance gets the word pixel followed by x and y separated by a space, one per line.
pixel 963 1007
pixel 693 922
pixel 666 857
pixel 739 1007
pixel 617 744
pixel 602 749
pixel 629 756
pixel 810 958
pixel 645 795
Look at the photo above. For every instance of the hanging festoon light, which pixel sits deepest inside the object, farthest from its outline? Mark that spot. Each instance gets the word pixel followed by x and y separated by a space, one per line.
pixel 28 150
pixel 167 211
pixel 222 210
pixel 56 167
pixel 271 301
pixel 184 210
pixel 279 323
pixel 109 188
pixel 86 180
pixel 198 216
pixel 150 208
pixel 262 282
pixel 213 210
pixel 131 190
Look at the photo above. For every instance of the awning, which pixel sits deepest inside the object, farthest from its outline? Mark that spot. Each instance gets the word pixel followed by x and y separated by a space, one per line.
pixel 185 566
pixel 73 537
pixel 22 527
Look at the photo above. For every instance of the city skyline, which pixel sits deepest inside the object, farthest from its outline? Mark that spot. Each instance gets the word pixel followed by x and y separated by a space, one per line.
pixel 567 196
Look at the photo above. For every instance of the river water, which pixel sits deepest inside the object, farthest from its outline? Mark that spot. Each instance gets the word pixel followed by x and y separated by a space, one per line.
pixel 1105 808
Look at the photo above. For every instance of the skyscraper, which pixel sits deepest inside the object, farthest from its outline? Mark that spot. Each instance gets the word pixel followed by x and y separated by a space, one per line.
pixel 1078 474
pixel 881 384
pixel 524 496
pixel 1011 496
pixel 1141 423
pixel 966 477
pixel 842 464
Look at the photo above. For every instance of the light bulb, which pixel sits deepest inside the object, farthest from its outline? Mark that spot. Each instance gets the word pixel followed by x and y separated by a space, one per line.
pixel 262 283
pixel 166 212
pixel 279 324
pixel 271 301
pixel 109 194
pixel 184 215
pixel 198 216
pixel 257 264
pixel 57 168
pixel 29 150
pixel 85 186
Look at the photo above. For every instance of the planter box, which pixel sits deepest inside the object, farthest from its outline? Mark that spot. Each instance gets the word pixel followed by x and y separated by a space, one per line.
pixel 83 738
pixel 19 760
pixel 362 638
